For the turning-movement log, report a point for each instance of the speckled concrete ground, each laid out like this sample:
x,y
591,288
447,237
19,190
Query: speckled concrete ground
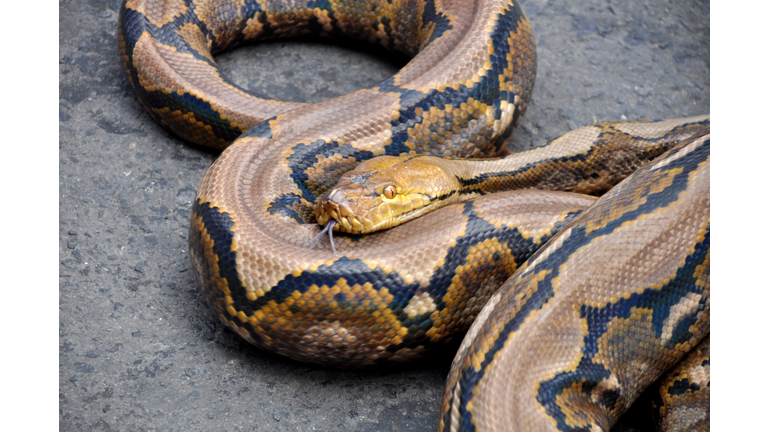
x,y
139,349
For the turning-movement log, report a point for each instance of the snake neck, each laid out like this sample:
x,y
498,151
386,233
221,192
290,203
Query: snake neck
x,y
589,160
387,191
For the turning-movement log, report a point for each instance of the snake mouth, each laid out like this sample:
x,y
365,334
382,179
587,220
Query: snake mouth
x,y
377,217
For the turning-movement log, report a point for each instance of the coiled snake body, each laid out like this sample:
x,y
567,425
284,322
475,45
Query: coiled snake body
x,y
623,288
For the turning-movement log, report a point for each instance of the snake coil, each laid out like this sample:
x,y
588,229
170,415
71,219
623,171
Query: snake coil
x,y
392,295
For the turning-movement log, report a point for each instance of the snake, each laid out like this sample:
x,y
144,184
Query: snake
x,y
511,266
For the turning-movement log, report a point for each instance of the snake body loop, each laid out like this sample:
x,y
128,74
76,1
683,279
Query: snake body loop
x,y
389,296
617,297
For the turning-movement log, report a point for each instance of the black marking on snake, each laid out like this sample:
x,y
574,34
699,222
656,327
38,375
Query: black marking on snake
x,y
552,264
702,127
357,272
407,96
507,23
650,152
187,103
322,4
685,281
442,22
307,155
470,378
691,161
486,90
507,178
607,398
465,425
312,28
250,8
354,271
261,130
218,226
516,178
683,386
387,24
284,206
135,24
169,35
132,24
417,330
659,301
477,231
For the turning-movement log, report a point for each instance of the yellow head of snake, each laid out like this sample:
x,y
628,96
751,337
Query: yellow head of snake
x,y
384,192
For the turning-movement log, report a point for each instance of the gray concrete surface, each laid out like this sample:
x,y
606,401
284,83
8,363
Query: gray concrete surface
x,y
139,349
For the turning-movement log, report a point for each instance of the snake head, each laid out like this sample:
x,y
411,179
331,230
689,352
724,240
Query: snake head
x,y
384,192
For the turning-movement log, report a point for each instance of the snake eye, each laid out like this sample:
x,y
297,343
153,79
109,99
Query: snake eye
x,y
389,192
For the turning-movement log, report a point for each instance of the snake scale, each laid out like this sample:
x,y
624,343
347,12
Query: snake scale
x,y
572,332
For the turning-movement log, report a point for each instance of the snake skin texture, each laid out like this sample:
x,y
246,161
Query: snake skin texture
x,y
614,299
390,296
682,401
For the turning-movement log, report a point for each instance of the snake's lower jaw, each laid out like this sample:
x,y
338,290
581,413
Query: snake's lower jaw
x,y
326,210
377,218
322,215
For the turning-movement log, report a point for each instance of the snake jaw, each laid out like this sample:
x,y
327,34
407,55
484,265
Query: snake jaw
x,y
334,205
360,209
